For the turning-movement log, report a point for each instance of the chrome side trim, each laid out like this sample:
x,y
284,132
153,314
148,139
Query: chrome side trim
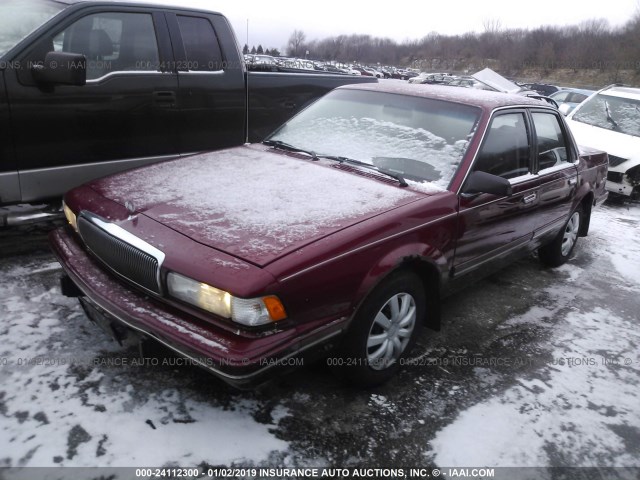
x,y
215,73
125,73
9,187
121,234
556,225
488,257
51,182
364,247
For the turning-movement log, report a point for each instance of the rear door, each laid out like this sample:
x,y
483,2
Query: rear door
x,y
491,227
124,116
555,163
212,95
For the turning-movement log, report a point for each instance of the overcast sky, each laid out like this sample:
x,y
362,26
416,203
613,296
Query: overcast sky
x,y
271,22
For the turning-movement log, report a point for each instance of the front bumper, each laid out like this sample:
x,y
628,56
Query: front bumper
x,y
620,188
239,359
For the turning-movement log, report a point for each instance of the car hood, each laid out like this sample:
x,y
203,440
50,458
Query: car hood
x,y
252,202
614,143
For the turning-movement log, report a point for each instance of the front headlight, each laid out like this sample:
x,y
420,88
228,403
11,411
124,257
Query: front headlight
x,y
250,312
70,216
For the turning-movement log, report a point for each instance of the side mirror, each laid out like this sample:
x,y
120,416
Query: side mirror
x,y
61,68
565,109
482,182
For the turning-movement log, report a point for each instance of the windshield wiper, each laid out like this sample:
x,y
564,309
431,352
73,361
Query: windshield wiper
x,y
286,146
398,177
608,112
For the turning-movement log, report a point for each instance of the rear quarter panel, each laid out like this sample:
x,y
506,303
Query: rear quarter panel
x,y
592,174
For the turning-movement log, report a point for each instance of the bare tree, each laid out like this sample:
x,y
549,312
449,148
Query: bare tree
x,y
296,43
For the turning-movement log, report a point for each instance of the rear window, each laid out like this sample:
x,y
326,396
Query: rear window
x,y
200,44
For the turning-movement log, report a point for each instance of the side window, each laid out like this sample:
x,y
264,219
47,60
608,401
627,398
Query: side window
x,y
505,151
552,145
200,44
111,41
561,97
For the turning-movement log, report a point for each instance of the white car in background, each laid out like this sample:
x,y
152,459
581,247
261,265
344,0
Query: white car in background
x,y
610,121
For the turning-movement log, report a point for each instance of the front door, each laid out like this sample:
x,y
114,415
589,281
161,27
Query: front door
x,y
124,116
492,227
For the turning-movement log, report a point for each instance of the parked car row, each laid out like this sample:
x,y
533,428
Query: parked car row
x,y
607,120
448,79
274,64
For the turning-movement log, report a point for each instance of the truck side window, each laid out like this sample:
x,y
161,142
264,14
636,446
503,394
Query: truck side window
x,y
505,151
200,43
111,41
552,145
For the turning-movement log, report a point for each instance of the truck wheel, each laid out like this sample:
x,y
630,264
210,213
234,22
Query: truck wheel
x,y
559,250
383,331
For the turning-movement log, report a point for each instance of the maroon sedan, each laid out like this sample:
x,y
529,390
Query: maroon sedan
x,y
335,237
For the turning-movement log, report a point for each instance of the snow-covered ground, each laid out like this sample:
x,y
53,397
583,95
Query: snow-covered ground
x,y
533,367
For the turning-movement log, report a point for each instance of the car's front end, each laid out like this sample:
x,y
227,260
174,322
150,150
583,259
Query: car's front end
x,y
610,121
623,178
198,265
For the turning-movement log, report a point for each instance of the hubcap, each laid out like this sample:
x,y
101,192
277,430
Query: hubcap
x,y
570,234
391,331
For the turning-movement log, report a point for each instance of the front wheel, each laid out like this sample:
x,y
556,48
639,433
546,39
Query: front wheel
x,y
383,331
559,250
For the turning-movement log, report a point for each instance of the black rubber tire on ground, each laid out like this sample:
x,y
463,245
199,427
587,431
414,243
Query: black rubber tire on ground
x,y
357,360
560,249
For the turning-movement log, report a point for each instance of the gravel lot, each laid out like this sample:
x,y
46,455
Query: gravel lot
x,y
533,367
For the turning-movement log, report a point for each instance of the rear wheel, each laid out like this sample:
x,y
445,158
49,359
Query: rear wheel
x,y
559,250
383,331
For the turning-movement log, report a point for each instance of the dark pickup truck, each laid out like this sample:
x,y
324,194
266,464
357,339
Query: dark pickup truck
x,y
100,87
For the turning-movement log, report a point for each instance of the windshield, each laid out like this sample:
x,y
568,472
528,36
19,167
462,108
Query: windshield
x,y
18,18
611,112
421,139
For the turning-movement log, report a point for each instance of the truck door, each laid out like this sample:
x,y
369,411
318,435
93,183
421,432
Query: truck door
x,y
212,95
492,227
123,117
9,183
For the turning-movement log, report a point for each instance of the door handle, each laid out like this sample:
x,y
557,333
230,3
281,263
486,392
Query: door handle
x,y
529,198
164,99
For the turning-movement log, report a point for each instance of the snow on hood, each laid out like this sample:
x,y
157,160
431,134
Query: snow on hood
x,y
251,203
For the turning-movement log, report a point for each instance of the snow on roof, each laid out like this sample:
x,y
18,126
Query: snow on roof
x,y
468,96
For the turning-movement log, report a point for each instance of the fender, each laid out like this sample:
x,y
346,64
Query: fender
x,y
424,259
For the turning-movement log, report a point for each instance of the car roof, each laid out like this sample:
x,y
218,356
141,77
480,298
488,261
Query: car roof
x,y
622,91
177,4
576,90
480,98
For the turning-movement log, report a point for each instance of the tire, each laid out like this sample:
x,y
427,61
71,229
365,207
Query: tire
x,y
560,249
383,331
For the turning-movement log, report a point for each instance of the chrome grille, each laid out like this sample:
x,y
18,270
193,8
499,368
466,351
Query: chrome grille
x,y
121,257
